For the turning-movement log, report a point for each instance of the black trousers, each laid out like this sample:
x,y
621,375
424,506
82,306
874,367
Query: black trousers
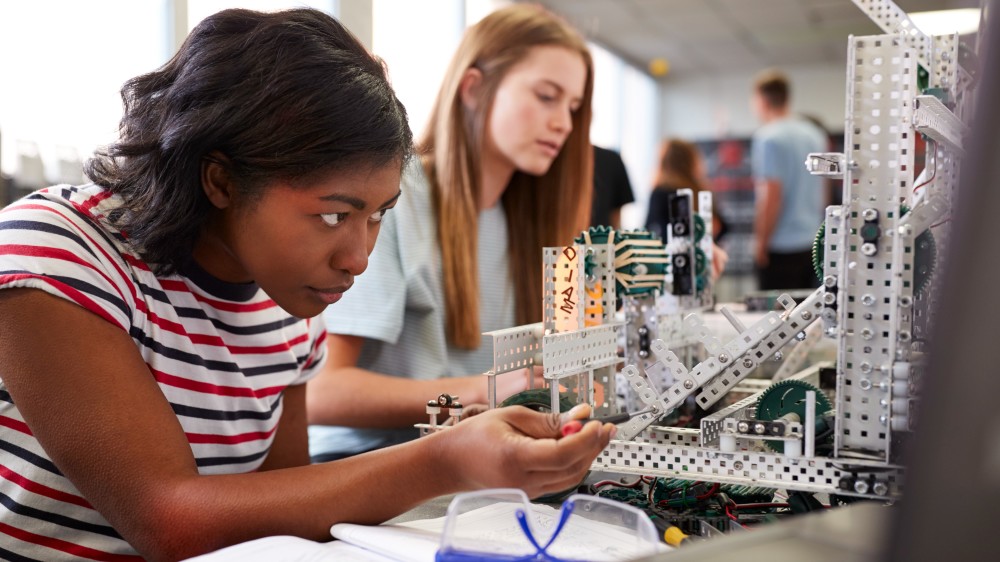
x,y
791,270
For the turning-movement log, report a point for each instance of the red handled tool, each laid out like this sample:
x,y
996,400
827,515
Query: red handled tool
x,y
573,426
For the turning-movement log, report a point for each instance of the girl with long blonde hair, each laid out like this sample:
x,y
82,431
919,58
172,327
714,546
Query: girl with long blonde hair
x,y
504,169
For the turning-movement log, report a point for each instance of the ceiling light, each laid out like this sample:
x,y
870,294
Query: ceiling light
x,y
944,22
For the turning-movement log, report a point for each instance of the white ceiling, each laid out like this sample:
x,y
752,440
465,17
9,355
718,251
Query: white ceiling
x,y
704,37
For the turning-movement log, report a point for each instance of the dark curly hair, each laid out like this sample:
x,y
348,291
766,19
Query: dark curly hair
x,y
286,96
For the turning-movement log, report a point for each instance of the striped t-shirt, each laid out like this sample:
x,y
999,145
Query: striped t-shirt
x,y
221,353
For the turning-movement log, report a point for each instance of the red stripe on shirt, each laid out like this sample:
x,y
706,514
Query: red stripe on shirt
x,y
42,489
94,200
16,425
315,352
217,389
207,438
67,547
181,287
73,294
217,341
51,253
93,242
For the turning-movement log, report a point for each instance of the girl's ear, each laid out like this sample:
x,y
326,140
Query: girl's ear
x,y
472,80
215,181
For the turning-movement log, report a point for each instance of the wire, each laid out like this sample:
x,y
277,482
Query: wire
x,y
931,144
759,506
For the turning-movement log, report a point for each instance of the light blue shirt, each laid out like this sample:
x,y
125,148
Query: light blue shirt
x,y
397,305
779,153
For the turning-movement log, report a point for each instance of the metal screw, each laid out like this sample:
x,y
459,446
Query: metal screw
x,y
865,384
869,214
904,335
643,353
880,488
723,358
906,230
806,315
759,428
830,281
748,363
743,427
738,465
778,356
861,486
643,330
801,336
829,298
884,420
867,333
868,249
689,384
905,301
865,367
867,299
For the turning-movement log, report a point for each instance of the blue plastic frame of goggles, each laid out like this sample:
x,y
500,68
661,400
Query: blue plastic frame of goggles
x,y
541,554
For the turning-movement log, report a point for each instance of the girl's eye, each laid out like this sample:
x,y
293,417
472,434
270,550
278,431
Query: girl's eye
x,y
333,219
546,98
378,215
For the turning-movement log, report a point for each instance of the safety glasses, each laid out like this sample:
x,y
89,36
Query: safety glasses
x,y
502,524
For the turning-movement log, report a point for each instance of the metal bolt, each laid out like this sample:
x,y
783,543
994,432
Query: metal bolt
x,y
806,315
905,301
880,488
738,465
867,299
865,384
643,353
743,427
884,420
723,358
868,249
867,333
830,281
801,336
778,356
861,486
904,335
643,330
829,298
867,316
865,367
759,428
883,402
689,384
680,261
747,363
869,214
906,230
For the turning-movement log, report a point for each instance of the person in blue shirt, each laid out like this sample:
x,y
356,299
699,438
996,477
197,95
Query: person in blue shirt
x,y
789,200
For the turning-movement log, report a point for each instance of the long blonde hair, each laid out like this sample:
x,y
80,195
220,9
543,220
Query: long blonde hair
x,y
547,210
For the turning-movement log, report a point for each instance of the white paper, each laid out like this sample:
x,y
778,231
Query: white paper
x,y
290,549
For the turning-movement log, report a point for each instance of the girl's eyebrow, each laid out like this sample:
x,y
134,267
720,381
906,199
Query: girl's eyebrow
x,y
352,201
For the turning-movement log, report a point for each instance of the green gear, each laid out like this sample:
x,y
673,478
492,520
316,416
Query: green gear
x,y
819,249
924,255
604,235
700,270
699,228
787,397
539,400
